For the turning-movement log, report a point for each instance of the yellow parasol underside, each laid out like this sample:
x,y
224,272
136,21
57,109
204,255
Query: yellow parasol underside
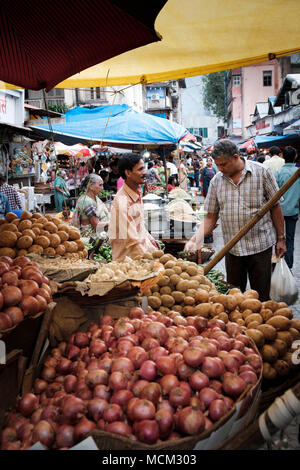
x,y
200,37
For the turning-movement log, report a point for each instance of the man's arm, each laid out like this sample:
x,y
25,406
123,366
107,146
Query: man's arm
x,y
204,229
278,222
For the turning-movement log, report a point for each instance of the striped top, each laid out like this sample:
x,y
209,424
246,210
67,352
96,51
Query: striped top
x,y
236,204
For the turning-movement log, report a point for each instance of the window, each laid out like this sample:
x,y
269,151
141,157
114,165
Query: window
x,y
203,132
236,79
267,78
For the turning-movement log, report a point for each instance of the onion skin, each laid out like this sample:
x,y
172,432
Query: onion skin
x,y
15,313
143,409
28,403
191,421
82,428
165,421
217,409
167,382
147,431
12,295
44,433
119,427
65,436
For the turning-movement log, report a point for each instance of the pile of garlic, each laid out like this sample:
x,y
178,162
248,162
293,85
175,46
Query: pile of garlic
x,y
127,269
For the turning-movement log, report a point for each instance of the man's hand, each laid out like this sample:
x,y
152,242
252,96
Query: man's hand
x,y
156,243
190,245
280,248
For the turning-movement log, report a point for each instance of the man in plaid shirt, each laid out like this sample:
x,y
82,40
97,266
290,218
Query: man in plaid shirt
x,y
236,193
11,193
4,206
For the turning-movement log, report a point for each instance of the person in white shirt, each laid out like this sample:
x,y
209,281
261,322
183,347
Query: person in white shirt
x,y
172,167
276,161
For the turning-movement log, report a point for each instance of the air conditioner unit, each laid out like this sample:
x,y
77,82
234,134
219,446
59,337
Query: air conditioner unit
x,y
155,97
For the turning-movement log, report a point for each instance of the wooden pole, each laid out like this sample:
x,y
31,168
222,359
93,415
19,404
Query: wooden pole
x,y
251,222
166,174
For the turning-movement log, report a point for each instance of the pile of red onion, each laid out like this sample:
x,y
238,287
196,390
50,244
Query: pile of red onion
x,y
24,290
148,377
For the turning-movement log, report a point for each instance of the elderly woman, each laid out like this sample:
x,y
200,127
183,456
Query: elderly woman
x,y
61,192
91,215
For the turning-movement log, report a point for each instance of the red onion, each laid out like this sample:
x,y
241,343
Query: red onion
x,y
10,278
143,409
122,328
216,385
155,330
231,363
15,314
191,421
165,421
213,367
70,383
101,391
168,382
73,409
151,392
83,428
166,365
179,396
157,352
207,395
106,320
96,377
217,409
183,370
65,436
200,324
96,407
64,366
12,295
193,356
28,404
36,416
117,381
165,404
249,377
136,312
25,431
147,431
50,413
149,343
97,347
233,385
119,427
72,352
238,355
44,433
137,356
148,370
255,361
112,412
198,380
233,329
122,364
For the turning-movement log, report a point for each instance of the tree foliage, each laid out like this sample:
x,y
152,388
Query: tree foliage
x,y
58,108
214,93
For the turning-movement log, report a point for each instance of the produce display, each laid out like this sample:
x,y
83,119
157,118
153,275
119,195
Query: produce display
x,y
121,271
147,377
178,193
34,233
24,290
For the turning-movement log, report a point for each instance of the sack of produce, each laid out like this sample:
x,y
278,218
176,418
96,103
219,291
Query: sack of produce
x,y
283,285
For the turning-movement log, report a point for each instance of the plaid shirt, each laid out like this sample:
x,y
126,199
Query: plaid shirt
x,y
12,195
237,204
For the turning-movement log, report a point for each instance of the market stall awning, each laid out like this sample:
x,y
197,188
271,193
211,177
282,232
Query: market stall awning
x,y
248,145
125,128
76,151
268,141
198,37
293,128
45,42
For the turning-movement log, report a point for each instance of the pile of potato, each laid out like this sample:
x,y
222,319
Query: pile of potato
x,y
34,233
181,288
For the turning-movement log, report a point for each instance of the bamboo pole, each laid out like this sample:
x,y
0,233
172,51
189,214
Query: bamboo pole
x,y
251,222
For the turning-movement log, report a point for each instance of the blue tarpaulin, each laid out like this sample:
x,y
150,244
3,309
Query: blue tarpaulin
x,y
113,124
266,141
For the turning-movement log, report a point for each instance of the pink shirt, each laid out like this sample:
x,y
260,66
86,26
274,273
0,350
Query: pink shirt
x,y
127,232
120,183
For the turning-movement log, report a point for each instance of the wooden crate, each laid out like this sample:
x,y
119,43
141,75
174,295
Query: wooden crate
x,y
10,382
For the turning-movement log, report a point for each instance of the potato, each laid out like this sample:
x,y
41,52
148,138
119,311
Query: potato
x,y
51,227
270,304
295,324
49,251
169,272
251,304
289,358
281,347
64,236
36,249
74,234
251,294
279,322
8,238
216,308
36,215
154,302
222,316
25,215
189,300
257,337
42,241
268,331
165,258
246,313
174,279
157,254
177,308
184,276
165,290
266,313
234,290
22,252
170,264
155,288
24,242
5,251
252,324
24,224
201,296
8,227
182,285
177,269
163,281
191,293
56,221
35,230
178,296
220,299
193,284
281,305
192,270
254,317
268,352
268,372
188,310
203,310
285,336
10,216
163,310
156,294
295,334
282,367
60,250
239,298
206,288
29,232
167,300
231,302
54,240
240,322
286,312
235,315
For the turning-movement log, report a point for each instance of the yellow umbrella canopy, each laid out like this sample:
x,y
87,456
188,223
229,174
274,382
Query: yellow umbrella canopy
x,y
199,37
